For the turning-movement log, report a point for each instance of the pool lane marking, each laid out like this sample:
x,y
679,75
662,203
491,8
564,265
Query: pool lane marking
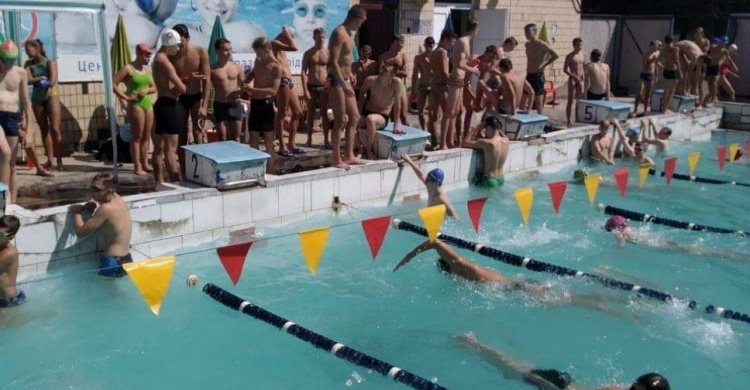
x,y
696,179
636,216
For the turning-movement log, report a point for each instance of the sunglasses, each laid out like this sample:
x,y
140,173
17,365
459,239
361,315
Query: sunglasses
x,y
320,11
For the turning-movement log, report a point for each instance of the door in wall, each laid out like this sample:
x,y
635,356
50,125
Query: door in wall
x,y
493,28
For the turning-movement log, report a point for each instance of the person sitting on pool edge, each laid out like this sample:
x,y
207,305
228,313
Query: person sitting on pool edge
x,y
9,295
433,180
113,215
548,379
494,147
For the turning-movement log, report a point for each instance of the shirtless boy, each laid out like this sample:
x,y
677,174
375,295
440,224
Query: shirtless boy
x,y
539,55
194,68
168,126
364,68
439,74
632,145
395,56
694,64
601,145
574,69
341,94
659,139
472,99
459,67
494,148
421,78
266,81
287,98
383,97
10,295
433,180
513,86
717,55
597,78
314,72
227,79
672,71
646,82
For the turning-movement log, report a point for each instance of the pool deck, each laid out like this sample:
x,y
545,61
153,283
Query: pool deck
x,y
185,215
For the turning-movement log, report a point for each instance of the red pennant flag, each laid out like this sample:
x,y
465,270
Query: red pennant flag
x,y
621,175
375,230
721,152
669,165
476,206
232,257
557,192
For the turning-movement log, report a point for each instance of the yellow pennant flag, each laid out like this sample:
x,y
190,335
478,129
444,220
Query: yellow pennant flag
x,y
693,161
152,278
313,243
543,35
592,186
525,198
733,152
432,218
643,174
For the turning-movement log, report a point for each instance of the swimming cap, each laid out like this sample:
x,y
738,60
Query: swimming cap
x,y
8,50
580,174
652,381
724,39
436,176
739,154
733,47
632,132
616,222
170,38
143,48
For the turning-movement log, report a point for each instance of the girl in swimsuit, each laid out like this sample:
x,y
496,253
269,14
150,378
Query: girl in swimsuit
x,y
724,69
140,86
45,103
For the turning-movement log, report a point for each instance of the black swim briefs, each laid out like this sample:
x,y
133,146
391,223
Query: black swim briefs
x,y
261,116
595,96
671,74
189,101
222,112
647,77
166,120
537,82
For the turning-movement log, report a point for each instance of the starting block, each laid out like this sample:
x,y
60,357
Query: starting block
x,y
391,146
224,165
679,103
524,126
595,111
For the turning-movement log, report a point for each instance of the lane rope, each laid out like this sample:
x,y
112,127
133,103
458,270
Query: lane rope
x,y
696,179
319,341
539,266
640,217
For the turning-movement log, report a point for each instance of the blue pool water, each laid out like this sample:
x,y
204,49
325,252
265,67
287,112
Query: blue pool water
x,y
81,331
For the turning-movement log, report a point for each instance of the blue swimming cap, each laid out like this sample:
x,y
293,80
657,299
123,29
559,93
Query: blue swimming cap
x,y
724,39
716,40
632,132
436,176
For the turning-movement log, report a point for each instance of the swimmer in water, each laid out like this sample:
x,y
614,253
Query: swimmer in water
x,y
10,295
618,225
547,379
433,180
659,139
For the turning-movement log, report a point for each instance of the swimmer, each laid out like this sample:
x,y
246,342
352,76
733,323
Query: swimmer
x,y
673,72
433,180
601,145
539,56
113,216
574,69
395,56
660,140
383,94
646,82
192,65
9,295
421,79
597,78
547,379
618,226
440,74
227,79
632,144
314,74
494,147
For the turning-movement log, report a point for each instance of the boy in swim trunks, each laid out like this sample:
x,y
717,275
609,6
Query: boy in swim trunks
x,y
266,80
287,98
433,180
421,78
597,78
494,148
113,217
314,74
601,145
574,69
439,75
9,295
539,55
380,96
718,55
226,78
673,71
660,139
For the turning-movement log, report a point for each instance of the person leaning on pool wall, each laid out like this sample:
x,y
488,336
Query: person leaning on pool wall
x,y
9,295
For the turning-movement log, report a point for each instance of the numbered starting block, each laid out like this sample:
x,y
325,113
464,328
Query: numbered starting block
x,y
391,146
225,165
524,126
595,111
679,103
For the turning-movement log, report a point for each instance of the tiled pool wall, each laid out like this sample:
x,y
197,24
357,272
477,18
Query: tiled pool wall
x,y
189,215
736,116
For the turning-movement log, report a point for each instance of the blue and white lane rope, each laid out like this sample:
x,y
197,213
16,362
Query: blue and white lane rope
x,y
636,216
539,266
696,179
319,341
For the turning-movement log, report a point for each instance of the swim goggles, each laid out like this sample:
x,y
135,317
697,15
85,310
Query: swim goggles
x,y
320,11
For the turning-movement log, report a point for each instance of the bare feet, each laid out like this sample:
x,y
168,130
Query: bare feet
x,y
341,165
308,143
148,168
43,172
354,161
327,145
140,173
61,168
47,165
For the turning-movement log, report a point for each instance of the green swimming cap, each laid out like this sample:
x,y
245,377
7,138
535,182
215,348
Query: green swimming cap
x,y
580,174
8,50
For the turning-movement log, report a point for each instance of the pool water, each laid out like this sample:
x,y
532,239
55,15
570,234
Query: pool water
x,y
82,331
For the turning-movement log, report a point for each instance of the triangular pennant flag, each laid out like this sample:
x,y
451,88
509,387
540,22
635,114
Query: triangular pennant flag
x,y
693,161
643,174
432,218
721,153
669,166
152,278
621,176
313,243
525,198
733,152
592,186
475,211
557,192
543,34
375,230
232,257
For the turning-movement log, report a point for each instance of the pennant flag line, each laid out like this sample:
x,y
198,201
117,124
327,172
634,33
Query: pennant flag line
x,y
621,175
643,174
476,206
693,161
375,230
151,277
592,186
733,152
432,218
557,192
669,166
721,154
232,257
313,243
525,198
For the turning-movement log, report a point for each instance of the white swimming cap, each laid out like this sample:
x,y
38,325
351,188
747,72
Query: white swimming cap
x,y
170,38
733,47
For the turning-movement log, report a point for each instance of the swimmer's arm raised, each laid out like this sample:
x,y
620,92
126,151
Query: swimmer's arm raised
x,y
284,41
623,139
427,245
416,169
83,228
468,141
448,206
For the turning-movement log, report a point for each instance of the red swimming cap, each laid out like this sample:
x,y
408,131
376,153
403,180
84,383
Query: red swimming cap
x,y
616,222
8,50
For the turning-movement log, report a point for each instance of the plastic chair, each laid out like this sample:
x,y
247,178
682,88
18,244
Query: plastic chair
x,y
550,89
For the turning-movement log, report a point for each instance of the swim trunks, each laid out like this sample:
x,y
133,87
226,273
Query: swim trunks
x,y
9,123
439,88
455,82
223,112
595,96
333,82
537,82
493,84
366,112
286,82
13,301
671,74
560,379
261,115
316,90
166,120
647,77
111,266
490,182
712,70
424,89
189,101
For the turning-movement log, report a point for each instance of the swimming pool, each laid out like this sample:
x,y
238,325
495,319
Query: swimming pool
x,y
81,331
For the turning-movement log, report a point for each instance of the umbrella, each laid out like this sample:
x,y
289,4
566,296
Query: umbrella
x,y
216,33
543,35
449,22
120,55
